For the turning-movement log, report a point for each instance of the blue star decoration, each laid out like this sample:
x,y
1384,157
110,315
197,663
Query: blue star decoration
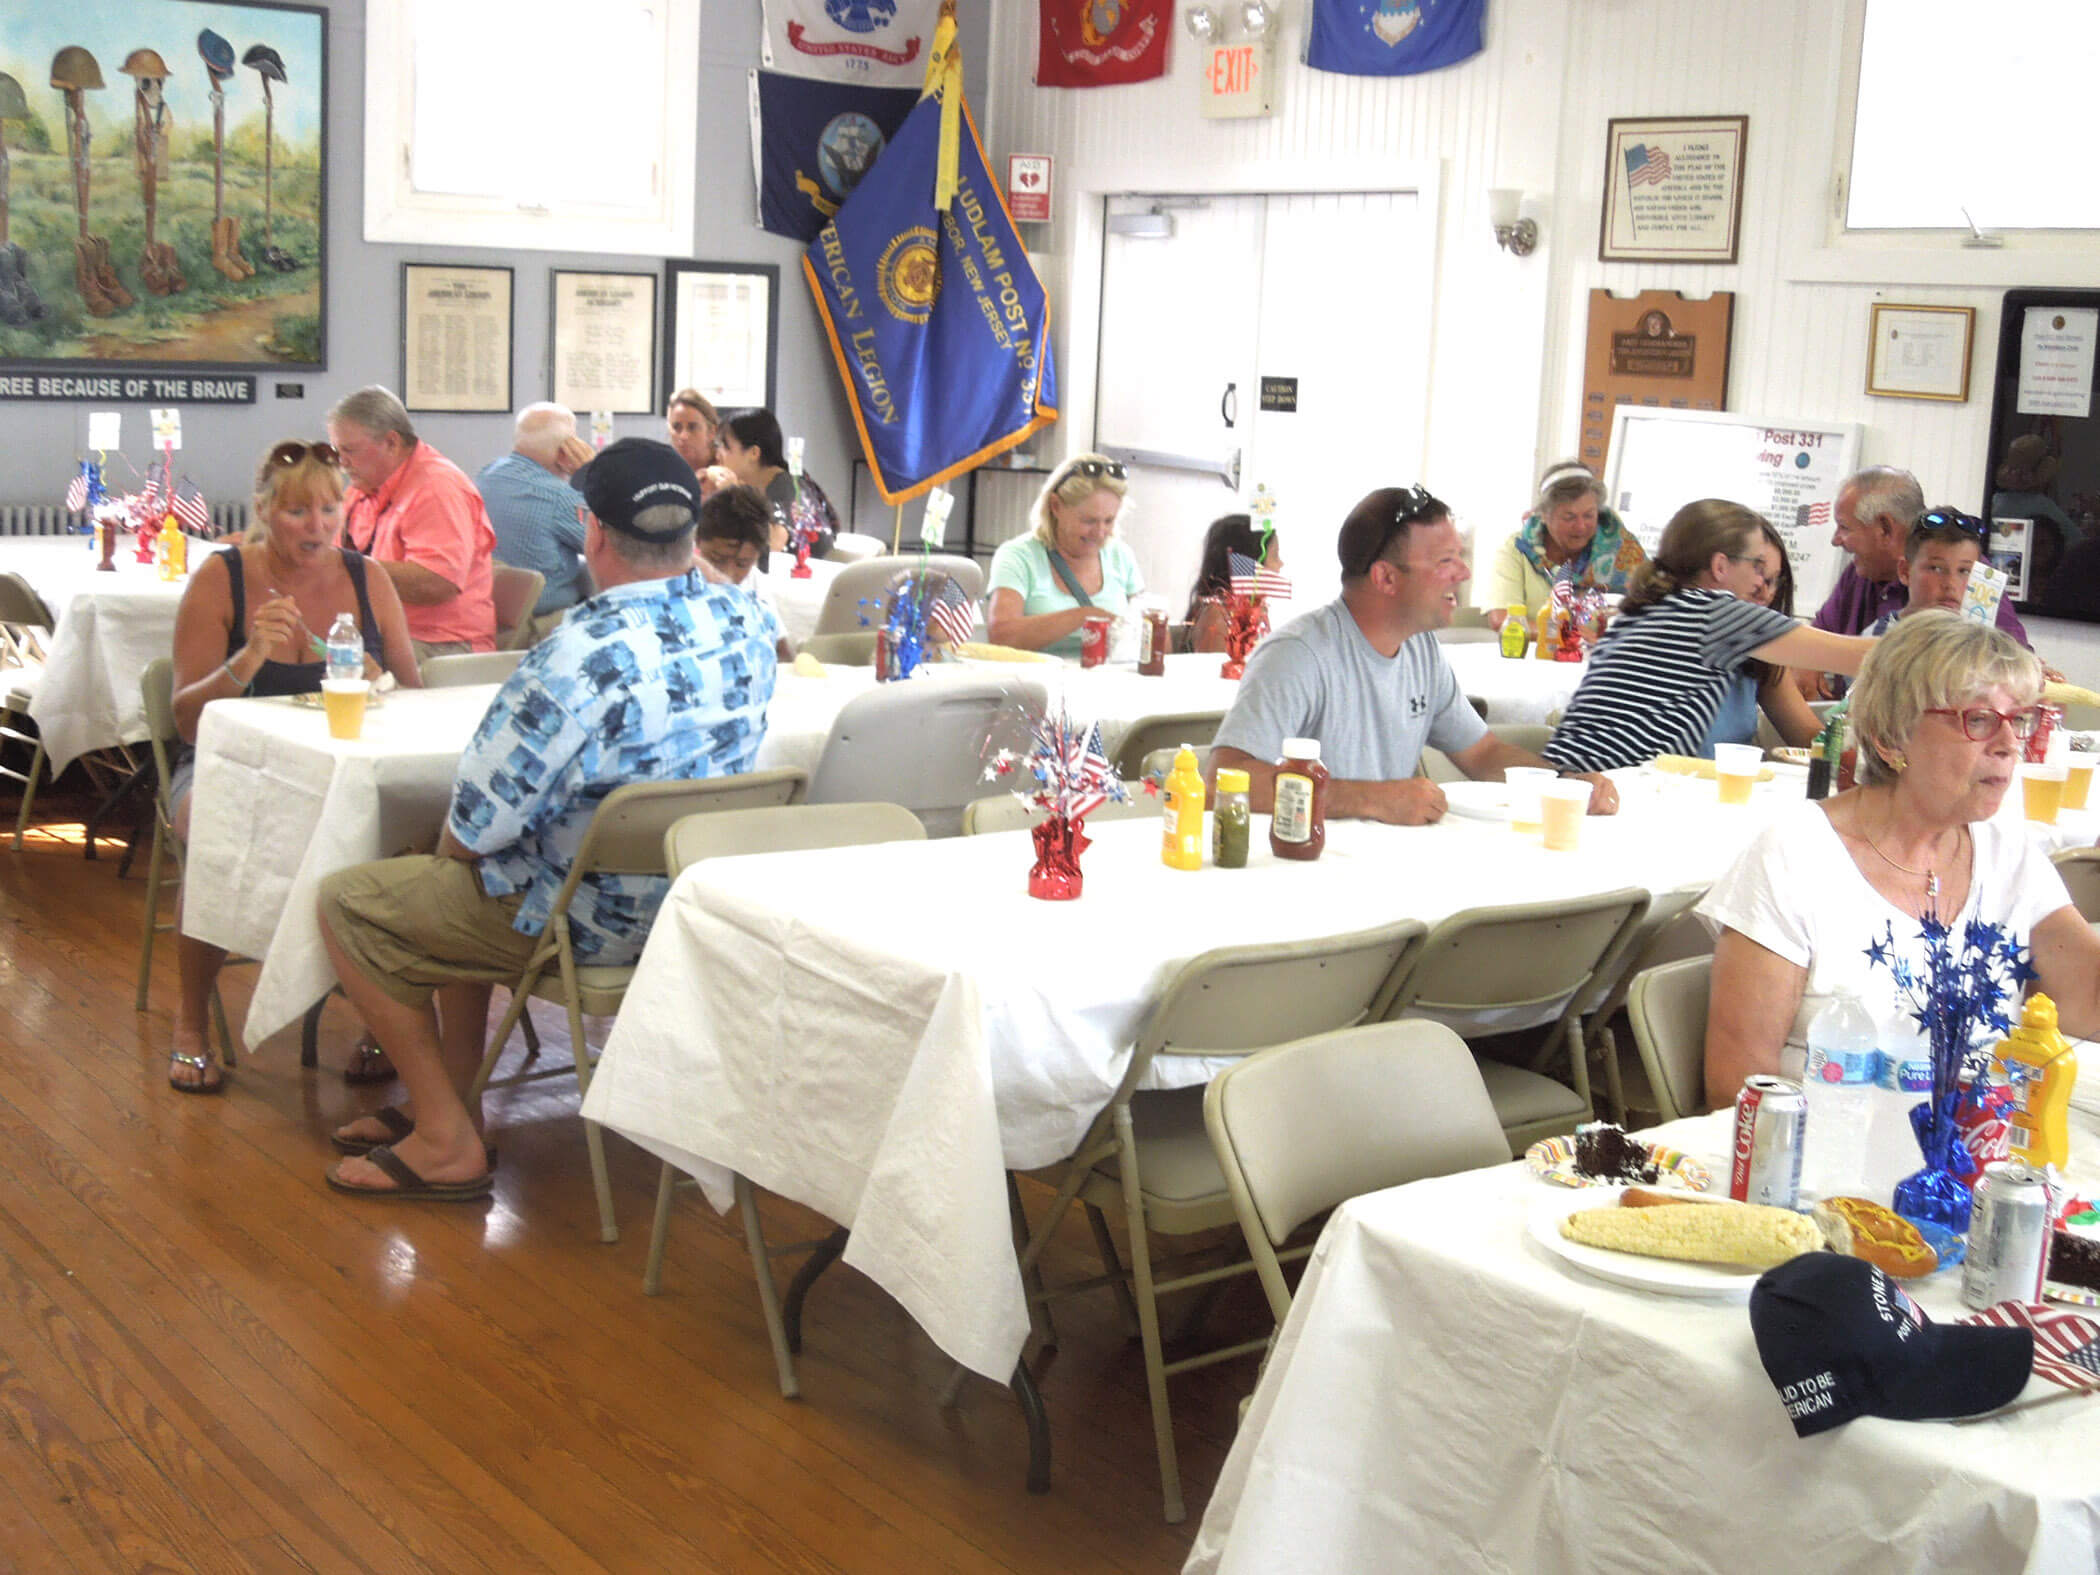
x,y
1960,995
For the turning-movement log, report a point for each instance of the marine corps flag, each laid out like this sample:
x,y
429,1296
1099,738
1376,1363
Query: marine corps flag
x,y
812,142
939,324
1392,38
1102,43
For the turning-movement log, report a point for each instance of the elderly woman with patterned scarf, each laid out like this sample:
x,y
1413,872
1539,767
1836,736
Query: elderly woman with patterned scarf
x,y
1568,535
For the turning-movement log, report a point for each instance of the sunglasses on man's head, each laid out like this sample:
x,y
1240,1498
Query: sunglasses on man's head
x,y
1415,505
291,451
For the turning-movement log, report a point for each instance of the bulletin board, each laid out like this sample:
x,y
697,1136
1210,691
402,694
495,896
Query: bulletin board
x,y
1788,471
2042,470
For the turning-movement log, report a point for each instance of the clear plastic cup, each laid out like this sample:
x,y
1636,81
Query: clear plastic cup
x,y
1524,785
1562,804
2042,789
344,701
1736,768
2078,781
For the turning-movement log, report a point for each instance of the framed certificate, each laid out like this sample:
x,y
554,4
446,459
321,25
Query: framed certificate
x,y
456,329
1673,190
722,331
1919,352
603,341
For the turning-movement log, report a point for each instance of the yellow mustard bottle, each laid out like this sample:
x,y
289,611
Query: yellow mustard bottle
x,y
170,545
1181,846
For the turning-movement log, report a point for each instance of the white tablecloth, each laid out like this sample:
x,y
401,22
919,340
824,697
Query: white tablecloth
x,y
109,627
800,602
1516,690
1446,1396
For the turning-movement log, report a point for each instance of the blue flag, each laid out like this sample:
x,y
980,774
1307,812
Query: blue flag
x,y
813,141
1393,38
939,324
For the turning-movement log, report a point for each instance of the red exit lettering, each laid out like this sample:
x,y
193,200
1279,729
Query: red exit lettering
x,y
1231,70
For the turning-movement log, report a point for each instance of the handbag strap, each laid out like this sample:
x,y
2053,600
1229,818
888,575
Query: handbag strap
x,y
1067,578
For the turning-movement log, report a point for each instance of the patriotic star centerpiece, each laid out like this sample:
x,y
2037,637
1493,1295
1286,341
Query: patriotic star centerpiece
x,y
1248,589
922,607
1959,999
1071,777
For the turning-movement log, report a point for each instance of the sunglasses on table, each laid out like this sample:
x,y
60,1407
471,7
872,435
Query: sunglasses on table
x,y
291,451
1979,723
1415,505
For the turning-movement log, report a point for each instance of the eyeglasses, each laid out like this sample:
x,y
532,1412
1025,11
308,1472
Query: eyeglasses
x,y
1944,519
1756,561
1093,470
291,451
1979,723
1415,504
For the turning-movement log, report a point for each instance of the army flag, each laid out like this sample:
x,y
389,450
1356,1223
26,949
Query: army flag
x,y
1393,38
938,322
876,43
1102,43
811,143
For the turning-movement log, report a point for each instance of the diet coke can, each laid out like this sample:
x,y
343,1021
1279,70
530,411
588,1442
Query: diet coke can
x,y
2008,1236
1771,1115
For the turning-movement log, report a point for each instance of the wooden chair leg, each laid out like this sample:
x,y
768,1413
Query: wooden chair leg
x,y
1148,1321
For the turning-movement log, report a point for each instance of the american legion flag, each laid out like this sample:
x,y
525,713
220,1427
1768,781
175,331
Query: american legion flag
x,y
2066,1344
938,322
1646,166
1251,577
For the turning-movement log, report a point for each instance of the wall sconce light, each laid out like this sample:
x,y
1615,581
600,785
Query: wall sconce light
x,y
1204,24
1514,235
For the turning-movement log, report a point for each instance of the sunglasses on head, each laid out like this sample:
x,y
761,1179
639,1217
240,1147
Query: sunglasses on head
x,y
1944,519
1094,469
1415,504
291,451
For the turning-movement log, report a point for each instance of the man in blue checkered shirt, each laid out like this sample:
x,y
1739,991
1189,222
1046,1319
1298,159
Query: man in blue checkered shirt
x,y
662,676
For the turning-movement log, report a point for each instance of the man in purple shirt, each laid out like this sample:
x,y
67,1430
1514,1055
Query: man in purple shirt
x,y
1875,509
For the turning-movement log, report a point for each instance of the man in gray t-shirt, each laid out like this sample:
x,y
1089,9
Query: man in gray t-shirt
x,y
1367,678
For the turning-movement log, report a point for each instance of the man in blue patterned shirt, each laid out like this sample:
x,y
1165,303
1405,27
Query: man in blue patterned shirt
x,y
662,676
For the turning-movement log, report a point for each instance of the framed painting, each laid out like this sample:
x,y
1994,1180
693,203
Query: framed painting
x,y
722,331
163,185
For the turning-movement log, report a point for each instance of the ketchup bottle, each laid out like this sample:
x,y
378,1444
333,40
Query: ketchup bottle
x,y
1298,828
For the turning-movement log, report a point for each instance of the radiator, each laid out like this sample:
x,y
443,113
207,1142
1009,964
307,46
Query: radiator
x,y
49,519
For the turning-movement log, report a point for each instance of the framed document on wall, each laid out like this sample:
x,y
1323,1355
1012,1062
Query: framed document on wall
x,y
455,337
1673,189
722,331
1919,352
603,342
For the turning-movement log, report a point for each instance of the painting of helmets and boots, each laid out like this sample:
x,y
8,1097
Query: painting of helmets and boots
x,y
161,183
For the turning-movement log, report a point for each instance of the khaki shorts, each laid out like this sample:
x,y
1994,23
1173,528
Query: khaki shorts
x,y
414,923
426,649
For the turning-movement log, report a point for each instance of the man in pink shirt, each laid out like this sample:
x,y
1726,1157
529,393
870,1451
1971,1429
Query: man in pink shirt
x,y
415,513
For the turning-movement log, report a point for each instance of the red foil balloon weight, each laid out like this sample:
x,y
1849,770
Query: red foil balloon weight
x,y
801,569
1058,843
1247,620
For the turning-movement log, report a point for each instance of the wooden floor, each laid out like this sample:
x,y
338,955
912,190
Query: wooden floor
x,y
209,1361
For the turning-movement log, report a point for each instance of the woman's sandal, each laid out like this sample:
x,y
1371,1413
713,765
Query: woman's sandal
x,y
368,1063
196,1063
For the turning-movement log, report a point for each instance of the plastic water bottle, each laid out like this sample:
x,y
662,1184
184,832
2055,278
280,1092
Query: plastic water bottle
x,y
1843,1070
346,648
1905,1081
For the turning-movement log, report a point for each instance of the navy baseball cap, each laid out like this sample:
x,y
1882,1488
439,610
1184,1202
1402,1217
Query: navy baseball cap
x,y
634,476
1840,1339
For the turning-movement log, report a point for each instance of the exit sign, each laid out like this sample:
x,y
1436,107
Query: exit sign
x,y
1236,79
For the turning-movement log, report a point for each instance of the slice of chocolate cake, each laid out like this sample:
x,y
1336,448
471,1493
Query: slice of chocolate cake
x,y
2074,1260
1603,1152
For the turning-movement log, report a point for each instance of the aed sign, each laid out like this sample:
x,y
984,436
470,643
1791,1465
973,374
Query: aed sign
x,y
1236,79
1028,187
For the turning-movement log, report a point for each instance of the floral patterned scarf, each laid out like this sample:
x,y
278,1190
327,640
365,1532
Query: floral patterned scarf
x,y
1606,564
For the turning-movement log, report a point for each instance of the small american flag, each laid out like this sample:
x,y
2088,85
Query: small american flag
x,y
191,509
1090,777
76,493
1250,577
1646,166
953,613
2066,1345
1810,515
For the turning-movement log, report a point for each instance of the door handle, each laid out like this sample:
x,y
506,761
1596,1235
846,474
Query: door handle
x,y
1229,405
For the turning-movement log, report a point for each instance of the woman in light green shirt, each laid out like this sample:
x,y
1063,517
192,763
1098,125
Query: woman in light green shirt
x,y
1568,535
1045,584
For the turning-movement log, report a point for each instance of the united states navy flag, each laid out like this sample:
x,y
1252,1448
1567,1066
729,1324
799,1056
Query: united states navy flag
x,y
813,142
1392,38
939,324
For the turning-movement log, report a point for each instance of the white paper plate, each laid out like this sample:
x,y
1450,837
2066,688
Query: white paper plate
x,y
1477,800
1663,1276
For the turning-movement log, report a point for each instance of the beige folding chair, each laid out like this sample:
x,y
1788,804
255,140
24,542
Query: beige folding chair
x,y
1168,730
2080,868
1148,1153
1301,1127
1499,969
626,837
854,648
1439,767
1007,813
779,830
919,744
515,592
1667,1006
469,667
870,578
25,627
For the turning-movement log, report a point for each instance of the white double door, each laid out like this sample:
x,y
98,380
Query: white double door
x,y
1326,297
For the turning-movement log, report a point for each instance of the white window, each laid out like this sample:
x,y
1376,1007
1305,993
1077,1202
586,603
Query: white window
x,y
532,124
1984,108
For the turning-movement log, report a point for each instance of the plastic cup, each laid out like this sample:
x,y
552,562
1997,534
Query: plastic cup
x,y
344,701
2042,789
1562,804
1093,640
1524,785
2078,781
1736,768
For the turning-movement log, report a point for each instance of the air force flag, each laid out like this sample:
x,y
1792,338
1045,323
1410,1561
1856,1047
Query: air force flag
x,y
1392,38
939,324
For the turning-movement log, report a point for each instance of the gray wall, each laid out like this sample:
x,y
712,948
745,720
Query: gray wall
x,y
39,442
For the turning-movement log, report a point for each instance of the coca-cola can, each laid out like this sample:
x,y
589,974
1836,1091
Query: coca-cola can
x,y
2052,717
2008,1236
1093,639
1771,1118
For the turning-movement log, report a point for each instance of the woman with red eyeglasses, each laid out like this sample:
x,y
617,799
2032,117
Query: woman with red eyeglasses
x,y
253,622
1942,710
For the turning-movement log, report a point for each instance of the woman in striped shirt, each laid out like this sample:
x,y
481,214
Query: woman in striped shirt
x,y
1688,629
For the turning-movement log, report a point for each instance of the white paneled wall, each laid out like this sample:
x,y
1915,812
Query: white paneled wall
x,y
1505,364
